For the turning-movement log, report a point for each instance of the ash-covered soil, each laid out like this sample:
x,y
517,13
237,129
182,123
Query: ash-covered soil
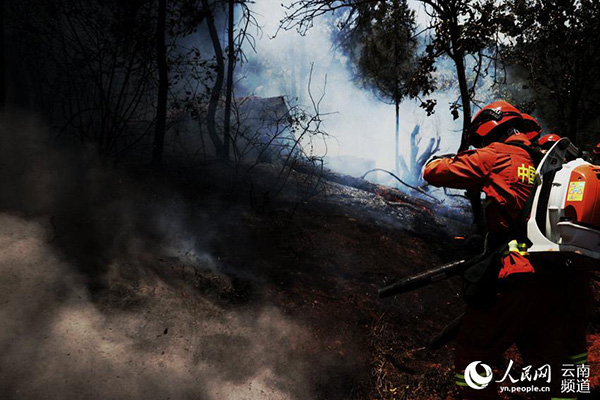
x,y
212,283
188,284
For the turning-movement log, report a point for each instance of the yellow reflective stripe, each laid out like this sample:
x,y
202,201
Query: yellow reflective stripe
x,y
516,247
460,380
579,359
564,398
578,356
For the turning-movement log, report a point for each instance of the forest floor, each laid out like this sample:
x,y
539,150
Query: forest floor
x,y
222,287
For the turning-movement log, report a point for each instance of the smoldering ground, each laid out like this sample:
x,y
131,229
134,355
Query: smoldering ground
x,y
94,300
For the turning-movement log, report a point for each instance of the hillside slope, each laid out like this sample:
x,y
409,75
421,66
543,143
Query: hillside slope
x,y
201,283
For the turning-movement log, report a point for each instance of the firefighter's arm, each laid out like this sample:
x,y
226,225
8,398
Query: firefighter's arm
x,y
466,170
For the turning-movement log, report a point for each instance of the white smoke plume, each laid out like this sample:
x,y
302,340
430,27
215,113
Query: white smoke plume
x,y
360,125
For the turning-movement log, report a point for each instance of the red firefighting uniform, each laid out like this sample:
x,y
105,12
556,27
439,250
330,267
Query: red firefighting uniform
x,y
532,309
505,173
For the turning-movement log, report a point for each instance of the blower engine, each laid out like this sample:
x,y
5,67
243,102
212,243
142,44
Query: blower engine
x,y
565,213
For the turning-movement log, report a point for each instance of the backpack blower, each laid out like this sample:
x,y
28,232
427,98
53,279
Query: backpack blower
x,y
564,223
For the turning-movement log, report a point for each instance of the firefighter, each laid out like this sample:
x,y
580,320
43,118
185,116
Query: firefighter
x,y
511,302
531,128
546,142
596,154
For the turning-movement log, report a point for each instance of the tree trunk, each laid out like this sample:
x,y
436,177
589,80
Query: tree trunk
x,y
163,85
414,151
227,137
397,141
215,94
458,57
302,72
294,78
465,98
397,97
2,61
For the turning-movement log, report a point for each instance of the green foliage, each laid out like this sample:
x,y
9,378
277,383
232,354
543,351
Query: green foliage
x,y
459,29
381,46
556,50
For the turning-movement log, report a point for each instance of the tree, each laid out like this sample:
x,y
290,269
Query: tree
x,y
215,93
462,30
2,63
556,50
89,67
458,29
230,67
92,69
163,84
382,46
235,40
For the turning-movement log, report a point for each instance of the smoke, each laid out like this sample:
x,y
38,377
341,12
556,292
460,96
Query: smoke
x,y
100,291
360,125
57,344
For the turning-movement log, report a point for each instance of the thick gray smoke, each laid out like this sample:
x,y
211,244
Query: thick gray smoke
x,y
57,344
86,307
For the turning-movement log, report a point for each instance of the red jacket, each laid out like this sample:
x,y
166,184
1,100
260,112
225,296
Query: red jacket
x,y
505,173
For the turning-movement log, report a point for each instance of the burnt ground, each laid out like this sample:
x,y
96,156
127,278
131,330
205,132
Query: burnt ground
x,y
196,283
318,251
321,256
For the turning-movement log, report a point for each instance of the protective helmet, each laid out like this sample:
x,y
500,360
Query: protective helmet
x,y
547,141
488,124
531,127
